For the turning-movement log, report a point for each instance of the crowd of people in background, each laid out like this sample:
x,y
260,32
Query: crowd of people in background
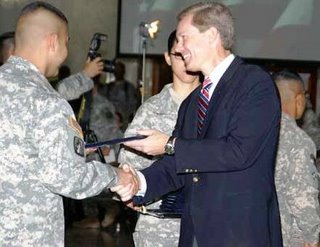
x,y
224,162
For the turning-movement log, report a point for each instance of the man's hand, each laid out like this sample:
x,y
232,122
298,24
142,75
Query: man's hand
x,y
90,150
128,184
93,67
311,245
152,145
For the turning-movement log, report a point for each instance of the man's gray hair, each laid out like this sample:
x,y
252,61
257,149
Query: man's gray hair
x,y
206,15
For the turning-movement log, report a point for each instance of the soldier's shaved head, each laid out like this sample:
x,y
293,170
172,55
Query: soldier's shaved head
x,y
289,83
291,90
37,20
39,28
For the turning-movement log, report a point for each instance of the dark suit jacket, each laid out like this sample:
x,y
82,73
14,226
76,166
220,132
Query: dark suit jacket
x,y
227,173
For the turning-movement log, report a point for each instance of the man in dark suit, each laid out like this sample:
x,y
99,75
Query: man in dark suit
x,y
223,155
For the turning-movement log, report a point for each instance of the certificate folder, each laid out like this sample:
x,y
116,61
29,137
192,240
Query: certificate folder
x,y
113,141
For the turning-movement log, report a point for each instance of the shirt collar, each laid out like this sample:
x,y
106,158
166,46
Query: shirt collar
x,y
219,70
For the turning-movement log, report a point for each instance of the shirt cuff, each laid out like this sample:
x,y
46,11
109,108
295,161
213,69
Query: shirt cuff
x,y
143,184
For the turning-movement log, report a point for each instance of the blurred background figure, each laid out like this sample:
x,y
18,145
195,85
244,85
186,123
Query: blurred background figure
x,y
122,94
296,177
104,121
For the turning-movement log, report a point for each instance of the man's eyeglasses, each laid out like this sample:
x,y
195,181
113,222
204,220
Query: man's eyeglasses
x,y
177,55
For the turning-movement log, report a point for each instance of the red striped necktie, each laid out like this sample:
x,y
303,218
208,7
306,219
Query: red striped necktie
x,y
203,103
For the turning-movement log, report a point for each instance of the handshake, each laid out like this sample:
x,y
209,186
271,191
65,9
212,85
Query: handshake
x,y
128,183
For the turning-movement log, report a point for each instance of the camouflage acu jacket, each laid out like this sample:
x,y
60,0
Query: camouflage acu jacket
x,y
41,157
74,86
296,181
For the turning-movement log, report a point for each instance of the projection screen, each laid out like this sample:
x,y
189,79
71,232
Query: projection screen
x,y
266,29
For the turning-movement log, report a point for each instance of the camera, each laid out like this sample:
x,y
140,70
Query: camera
x,y
95,43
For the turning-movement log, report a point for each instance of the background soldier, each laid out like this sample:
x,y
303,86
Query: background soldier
x,y
296,176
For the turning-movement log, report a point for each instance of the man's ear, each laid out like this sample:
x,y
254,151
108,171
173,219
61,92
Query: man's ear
x,y
52,41
213,34
300,105
167,58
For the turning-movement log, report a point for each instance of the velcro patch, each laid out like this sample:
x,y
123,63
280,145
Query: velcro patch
x,y
78,145
75,126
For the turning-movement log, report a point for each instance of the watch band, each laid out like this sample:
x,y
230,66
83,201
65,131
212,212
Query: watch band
x,y
169,147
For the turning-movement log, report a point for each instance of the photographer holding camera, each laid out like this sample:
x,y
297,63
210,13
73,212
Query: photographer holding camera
x,y
77,84
120,92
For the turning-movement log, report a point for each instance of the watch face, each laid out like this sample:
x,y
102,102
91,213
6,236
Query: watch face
x,y
169,148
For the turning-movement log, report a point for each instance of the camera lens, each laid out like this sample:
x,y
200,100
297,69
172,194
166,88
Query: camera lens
x,y
108,66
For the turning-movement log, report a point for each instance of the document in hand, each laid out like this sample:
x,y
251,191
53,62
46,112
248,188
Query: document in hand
x,y
113,141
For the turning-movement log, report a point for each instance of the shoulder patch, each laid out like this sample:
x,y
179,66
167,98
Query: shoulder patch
x,y
78,145
75,126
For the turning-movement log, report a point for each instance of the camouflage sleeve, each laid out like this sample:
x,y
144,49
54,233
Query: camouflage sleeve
x,y
141,121
74,86
303,196
61,167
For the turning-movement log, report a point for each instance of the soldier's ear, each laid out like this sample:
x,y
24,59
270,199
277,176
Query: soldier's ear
x,y
167,58
300,104
52,41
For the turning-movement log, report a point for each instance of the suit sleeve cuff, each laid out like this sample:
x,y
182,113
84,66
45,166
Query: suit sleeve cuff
x,y
143,184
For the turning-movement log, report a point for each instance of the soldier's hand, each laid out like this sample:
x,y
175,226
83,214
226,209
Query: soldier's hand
x,y
93,67
152,145
128,184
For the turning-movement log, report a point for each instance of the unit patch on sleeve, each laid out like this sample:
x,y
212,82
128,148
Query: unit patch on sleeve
x,y
78,145
75,126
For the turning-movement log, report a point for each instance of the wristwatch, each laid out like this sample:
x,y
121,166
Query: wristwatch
x,y
169,147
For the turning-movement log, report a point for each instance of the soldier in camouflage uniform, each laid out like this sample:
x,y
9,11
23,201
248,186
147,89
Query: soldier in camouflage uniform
x,y
159,112
41,145
296,177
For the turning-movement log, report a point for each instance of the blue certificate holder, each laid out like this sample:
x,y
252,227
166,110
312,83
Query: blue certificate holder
x,y
113,141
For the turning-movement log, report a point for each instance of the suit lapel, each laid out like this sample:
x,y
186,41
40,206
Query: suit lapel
x,y
194,111
219,92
